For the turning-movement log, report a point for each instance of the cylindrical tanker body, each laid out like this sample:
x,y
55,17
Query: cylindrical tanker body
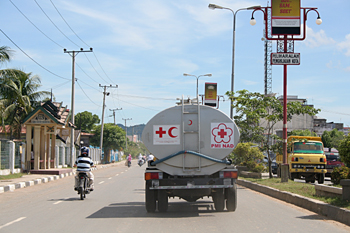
x,y
181,128
190,144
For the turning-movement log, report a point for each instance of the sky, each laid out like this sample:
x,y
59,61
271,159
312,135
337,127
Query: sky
x,y
145,47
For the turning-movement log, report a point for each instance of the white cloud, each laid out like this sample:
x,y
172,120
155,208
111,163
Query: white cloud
x,y
316,39
345,45
250,83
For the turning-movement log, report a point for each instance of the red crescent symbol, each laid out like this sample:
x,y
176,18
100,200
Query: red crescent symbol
x,y
190,123
170,132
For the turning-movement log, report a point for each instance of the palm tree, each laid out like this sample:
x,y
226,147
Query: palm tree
x,y
5,53
18,96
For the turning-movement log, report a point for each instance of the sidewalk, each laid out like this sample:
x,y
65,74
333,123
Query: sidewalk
x,y
34,179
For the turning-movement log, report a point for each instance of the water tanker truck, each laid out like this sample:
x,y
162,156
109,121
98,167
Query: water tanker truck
x,y
191,144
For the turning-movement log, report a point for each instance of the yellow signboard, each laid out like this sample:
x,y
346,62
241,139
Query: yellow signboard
x,y
210,94
285,15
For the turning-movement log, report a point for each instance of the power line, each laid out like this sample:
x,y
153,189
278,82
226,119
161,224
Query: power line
x,y
55,24
87,95
35,25
30,57
68,24
81,41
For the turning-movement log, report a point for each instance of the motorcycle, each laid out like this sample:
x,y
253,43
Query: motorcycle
x,y
83,188
129,163
141,162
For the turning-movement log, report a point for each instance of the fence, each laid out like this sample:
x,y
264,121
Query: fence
x,y
12,156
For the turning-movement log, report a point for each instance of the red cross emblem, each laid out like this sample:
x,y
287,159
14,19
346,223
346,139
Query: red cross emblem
x,y
222,134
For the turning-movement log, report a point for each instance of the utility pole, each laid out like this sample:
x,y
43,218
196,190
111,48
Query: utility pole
x,y
126,138
116,109
73,54
103,112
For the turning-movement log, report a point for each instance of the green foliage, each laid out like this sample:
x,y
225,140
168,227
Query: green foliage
x,y
300,132
135,149
18,96
331,139
344,150
245,154
340,173
85,121
113,138
256,115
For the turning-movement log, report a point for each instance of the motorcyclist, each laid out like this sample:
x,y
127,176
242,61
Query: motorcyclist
x,y
84,164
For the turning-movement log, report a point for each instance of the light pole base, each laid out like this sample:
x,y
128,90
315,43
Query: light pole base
x,y
284,172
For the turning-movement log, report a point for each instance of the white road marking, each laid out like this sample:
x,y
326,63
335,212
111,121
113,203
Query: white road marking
x,y
110,178
121,172
57,202
101,182
117,175
8,224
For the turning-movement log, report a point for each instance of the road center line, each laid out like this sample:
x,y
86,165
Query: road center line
x,y
117,175
57,202
110,178
101,182
8,224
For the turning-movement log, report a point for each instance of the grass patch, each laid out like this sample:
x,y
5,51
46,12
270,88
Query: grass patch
x,y
12,176
302,189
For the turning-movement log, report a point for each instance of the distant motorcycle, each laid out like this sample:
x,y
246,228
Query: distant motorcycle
x,y
141,162
83,188
129,163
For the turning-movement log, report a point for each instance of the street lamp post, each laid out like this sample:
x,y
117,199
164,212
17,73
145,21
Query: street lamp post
x,y
213,7
197,77
285,38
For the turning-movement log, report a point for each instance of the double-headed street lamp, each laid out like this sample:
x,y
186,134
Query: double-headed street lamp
x,y
213,7
197,77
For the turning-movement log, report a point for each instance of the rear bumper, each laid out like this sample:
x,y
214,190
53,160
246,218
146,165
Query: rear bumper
x,y
308,170
192,183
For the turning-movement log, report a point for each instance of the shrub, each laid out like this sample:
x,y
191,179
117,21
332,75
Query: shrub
x,y
340,173
245,154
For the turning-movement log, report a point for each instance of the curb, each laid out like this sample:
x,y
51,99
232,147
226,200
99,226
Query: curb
x,y
19,185
319,207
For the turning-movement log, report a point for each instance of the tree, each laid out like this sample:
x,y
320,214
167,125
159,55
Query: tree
x,y
300,132
247,154
344,150
256,115
331,139
85,121
5,54
18,96
113,139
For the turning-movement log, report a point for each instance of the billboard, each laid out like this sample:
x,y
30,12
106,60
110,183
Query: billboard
x,y
285,17
210,94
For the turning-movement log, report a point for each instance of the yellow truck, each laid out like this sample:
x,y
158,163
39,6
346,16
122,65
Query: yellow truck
x,y
306,159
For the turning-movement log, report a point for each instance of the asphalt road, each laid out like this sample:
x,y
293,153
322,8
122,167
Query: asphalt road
x,y
117,205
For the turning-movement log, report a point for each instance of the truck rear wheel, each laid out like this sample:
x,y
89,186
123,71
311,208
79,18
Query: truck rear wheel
x,y
321,178
219,200
150,200
162,201
231,198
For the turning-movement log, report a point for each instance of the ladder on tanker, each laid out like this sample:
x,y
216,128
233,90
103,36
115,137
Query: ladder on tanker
x,y
190,119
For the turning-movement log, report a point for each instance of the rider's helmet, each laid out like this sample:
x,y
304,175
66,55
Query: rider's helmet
x,y
84,151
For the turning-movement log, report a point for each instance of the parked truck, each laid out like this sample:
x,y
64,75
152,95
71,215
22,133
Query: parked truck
x,y
191,144
306,159
333,160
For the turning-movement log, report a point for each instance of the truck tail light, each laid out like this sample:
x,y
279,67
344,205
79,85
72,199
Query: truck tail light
x,y
153,175
230,174
323,160
295,159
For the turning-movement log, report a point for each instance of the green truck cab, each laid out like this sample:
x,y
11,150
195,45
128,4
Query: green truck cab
x,y
306,159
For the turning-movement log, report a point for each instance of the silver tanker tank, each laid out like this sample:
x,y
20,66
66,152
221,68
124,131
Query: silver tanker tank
x,y
190,139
